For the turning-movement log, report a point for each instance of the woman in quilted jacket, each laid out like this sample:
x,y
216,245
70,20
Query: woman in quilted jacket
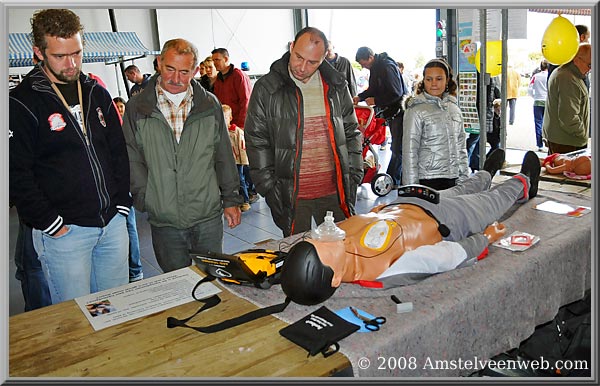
x,y
434,144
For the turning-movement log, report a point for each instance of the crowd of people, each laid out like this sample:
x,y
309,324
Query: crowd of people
x,y
196,144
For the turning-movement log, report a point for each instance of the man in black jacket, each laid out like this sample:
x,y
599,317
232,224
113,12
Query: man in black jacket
x,y
302,137
139,80
385,91
69,171
344,66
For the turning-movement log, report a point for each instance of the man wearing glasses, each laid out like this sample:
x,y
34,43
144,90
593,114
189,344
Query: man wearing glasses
x,y
567,114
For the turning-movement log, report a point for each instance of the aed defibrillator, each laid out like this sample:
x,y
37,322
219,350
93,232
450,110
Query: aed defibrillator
x,y
258,267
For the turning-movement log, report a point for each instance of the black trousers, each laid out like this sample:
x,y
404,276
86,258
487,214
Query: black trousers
x,y
397,130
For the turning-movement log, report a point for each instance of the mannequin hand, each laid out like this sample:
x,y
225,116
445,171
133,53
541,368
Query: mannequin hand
x,y
494,232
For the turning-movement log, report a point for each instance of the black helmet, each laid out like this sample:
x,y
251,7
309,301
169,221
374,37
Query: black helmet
x,y
304,278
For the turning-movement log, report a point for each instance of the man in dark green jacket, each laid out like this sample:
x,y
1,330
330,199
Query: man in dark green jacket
x,y
567,114
182,168
302,137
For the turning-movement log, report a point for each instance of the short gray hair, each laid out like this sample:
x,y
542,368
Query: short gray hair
x,y
182,47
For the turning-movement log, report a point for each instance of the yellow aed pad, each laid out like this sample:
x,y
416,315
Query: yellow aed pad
x,y
377,235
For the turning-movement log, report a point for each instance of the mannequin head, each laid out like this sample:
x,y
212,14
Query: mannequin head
x,y
582,165
304,278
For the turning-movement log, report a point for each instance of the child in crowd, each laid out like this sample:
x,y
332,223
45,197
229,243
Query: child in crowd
x,y
434,150
238,146
135,258
120,103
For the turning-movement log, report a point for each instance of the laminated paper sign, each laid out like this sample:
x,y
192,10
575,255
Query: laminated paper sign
x,y
145,297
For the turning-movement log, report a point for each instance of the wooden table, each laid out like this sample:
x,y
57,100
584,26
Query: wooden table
x,y
58,341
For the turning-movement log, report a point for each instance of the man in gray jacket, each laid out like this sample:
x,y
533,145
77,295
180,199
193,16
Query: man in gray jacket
x,y
182,168
302,137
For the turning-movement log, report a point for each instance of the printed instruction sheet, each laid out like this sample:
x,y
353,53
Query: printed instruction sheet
x,y
121,304
564,209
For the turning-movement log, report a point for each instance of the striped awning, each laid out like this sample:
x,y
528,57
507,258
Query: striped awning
x,y
565,11
98,47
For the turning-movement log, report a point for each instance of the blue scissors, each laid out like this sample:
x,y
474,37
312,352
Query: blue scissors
x,y
370,324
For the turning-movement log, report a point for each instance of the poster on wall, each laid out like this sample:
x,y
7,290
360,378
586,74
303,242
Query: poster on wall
x,y
467,47
467,100
467,79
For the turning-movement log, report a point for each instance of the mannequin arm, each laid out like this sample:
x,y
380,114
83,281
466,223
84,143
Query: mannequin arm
x,y
556,169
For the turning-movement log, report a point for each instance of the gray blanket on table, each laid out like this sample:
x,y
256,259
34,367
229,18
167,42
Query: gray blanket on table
x,y
467,315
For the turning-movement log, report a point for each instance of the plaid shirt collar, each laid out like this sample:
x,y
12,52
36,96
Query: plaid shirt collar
x,y
175,115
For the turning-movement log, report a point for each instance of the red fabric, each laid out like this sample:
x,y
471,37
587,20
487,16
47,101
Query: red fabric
x,y
368,283
577,176
483,254
548,160
375,131
234,90
97,79
525,187
369,174
317,170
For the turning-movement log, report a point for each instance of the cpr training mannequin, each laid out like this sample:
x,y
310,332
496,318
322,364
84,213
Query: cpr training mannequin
x,y
412,238
559,163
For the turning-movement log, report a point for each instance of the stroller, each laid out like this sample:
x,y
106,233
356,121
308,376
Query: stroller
x,y
373,130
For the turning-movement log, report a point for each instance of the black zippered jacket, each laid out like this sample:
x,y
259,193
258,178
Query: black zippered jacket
x,y
274,128
385,82
56,177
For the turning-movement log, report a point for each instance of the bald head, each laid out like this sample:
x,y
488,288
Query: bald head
x,y
583,59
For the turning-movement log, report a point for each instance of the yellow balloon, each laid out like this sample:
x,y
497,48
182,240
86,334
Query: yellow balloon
x,y
560,41
493,56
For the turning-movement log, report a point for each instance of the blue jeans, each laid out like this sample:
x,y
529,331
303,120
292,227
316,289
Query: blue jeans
x,y
473,151
29,271
249,183
85,259
243,185
135,259
172,245
538,118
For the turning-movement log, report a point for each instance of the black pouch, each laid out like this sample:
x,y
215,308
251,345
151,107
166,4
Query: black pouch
x,y
319,332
